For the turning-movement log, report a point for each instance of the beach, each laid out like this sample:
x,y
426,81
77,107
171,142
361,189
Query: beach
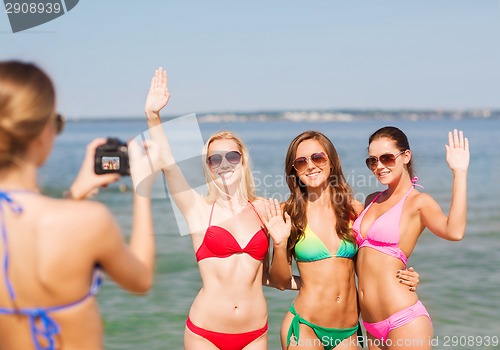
x,y
459,281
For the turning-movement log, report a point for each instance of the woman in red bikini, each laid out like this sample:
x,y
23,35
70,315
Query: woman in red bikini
x,y
229,239
387,232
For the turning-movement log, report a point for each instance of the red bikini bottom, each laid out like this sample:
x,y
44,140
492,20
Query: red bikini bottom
x,y
225,341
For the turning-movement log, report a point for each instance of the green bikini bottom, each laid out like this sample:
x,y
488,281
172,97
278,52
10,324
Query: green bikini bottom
x,y
329,337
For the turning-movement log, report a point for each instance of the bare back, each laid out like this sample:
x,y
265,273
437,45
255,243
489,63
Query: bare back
x,y
53,247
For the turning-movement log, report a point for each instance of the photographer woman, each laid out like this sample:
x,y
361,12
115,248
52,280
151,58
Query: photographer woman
x,y
52,249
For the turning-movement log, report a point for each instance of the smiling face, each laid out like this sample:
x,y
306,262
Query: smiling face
x,y
392,171
228,173
315,174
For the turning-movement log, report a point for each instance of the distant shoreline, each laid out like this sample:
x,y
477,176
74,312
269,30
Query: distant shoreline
x,y
344,115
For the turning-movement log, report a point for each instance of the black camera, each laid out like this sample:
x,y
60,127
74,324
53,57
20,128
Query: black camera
x,y
112,157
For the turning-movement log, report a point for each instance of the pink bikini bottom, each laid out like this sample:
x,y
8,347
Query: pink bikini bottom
x,y
381,329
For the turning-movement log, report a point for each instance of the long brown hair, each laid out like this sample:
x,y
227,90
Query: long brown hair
x,y
27,103
340,191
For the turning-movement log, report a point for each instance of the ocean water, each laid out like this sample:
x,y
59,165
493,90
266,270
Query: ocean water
x,y
459,280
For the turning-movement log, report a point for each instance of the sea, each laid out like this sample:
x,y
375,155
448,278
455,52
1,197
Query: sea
x,y
459,281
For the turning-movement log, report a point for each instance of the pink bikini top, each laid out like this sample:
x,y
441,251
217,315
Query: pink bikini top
x,y
384,233
218,242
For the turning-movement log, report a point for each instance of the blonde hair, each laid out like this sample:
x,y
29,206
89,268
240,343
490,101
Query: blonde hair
x,y
27,103
247,186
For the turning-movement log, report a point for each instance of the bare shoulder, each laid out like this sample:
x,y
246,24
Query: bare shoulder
x,y
371,197
90,208
79,216
259,203
420,200
358,206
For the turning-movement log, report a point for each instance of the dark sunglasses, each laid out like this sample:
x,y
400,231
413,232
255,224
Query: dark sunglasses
x,y
319,159
215,160
59,122
388,160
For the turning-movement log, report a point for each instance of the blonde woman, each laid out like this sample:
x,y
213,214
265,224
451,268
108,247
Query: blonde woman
x,y
229,239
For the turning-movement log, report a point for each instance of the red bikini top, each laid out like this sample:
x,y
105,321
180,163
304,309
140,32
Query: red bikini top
x,y
220,243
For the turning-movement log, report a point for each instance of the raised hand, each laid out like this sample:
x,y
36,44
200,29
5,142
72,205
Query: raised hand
x,y
158,93
457,151
278,227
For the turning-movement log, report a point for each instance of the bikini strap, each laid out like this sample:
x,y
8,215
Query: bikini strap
x,y
17,209
294,329
376,197
47,328
211,212
256,212
42,324
97,280
414,182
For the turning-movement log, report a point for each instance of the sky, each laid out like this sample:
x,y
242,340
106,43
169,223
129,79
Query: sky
x,y
267,55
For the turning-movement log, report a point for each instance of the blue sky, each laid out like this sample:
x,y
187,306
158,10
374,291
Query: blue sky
x,y
268,55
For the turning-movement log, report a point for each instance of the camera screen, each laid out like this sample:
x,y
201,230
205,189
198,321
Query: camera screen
x,y
110,163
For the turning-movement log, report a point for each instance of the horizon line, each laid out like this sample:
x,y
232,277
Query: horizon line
x,y
281,111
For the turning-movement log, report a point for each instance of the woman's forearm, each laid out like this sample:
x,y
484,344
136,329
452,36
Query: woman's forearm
x,y
457,218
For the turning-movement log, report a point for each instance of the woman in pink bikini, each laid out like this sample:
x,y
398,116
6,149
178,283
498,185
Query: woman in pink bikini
x,y
390,226
229,239
317,234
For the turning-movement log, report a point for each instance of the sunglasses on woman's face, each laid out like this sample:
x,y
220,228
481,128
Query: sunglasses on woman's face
x,y
59,123
388,160
215,160
319,159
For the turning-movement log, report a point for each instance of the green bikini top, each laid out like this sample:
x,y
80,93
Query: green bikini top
x,y
311,248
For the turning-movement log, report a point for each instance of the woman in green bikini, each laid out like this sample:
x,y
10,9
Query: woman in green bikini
x,y
316,230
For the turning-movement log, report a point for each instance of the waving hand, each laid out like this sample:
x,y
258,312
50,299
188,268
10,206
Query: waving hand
x,y
278,226
457,151
158,95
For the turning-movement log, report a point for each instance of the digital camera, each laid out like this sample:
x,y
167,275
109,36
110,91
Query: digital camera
x,y
112,157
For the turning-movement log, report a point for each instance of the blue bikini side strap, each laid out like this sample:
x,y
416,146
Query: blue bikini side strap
x,y
16,208
48,327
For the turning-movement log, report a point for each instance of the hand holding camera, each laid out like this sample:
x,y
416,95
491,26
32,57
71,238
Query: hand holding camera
x,y
112,157
87,182
106,160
